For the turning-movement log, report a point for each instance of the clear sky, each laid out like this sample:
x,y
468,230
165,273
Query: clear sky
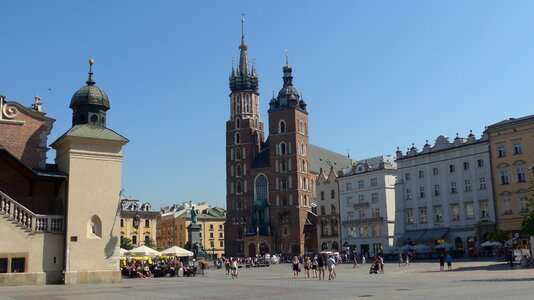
x,y
375,74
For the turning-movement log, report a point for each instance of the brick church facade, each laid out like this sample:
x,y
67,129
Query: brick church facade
x,y
269,182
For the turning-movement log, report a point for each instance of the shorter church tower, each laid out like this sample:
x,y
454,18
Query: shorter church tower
x,y
91,155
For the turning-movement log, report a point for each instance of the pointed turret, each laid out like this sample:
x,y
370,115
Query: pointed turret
x,y
244,78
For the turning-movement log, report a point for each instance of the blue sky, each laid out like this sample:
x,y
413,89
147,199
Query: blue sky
x,y
375,74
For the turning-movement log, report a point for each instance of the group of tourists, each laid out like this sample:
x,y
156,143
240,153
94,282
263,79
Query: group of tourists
x,y
314,268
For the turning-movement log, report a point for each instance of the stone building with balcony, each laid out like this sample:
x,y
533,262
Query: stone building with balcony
x,y
367,205
444,193
59,222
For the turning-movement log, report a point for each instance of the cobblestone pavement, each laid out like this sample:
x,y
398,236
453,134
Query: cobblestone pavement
x,y
421,280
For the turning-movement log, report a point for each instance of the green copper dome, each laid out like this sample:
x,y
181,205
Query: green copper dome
x,y
89,95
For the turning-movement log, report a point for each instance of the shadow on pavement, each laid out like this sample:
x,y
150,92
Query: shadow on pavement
x,y
493,267
501,280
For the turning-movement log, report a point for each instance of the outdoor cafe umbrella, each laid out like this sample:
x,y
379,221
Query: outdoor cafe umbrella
x,y
144,251
444,246
177,251
327,252
421,248
123,252
491,244
392,249
407,248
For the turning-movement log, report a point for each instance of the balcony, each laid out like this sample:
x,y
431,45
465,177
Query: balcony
x,y
364,221
360,205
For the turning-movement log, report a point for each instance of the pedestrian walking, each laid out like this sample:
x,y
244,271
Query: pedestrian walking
x,y
331,264
449,261
295,265
320,266
441,262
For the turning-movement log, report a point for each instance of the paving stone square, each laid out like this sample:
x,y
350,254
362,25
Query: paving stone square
x,y
420,280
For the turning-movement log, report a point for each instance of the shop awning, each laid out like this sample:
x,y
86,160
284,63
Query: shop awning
x,y
413,235
434,234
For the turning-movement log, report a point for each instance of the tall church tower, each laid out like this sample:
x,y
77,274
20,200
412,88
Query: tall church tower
x,y
244,139
291,181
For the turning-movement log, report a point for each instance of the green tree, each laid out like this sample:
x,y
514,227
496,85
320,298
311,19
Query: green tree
x,y
498,235
527,225
150,243
126,243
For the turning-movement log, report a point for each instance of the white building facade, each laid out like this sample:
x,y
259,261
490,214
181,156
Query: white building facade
x,y
444,194
367,205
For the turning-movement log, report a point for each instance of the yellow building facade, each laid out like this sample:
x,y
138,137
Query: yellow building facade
x,y
512,161
172,228
146,229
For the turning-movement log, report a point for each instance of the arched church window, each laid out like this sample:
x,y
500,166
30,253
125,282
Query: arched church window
x,y
301,126
282,148
260,189
282,126
237,123
237,154
238,187
238,104
238,171
302,149
237,138
247,103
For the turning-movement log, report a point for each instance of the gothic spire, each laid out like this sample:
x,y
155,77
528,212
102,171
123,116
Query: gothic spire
x,y
243,63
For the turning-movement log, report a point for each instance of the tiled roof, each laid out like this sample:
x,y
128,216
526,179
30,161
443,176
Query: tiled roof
x,y
96,132
324,158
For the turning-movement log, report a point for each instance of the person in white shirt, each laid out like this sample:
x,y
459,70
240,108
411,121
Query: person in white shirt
x,y
331,264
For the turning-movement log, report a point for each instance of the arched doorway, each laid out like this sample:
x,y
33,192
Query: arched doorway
x,y
252,250
335,246
324,246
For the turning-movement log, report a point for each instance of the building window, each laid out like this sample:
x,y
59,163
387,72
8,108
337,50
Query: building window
x,y
360,184
301,127
282,126
517,148
482,183
323,211
408,194
374,197
322,195
467,185
221,235
435,171
134,240
122,222
501,151
422,215
407,176
437,213
3,265
350,215
332,194
455,212
374,181
237,154
504,177
376,212
18,265
349,201
221,244
348,186
466,165
361,198
211,227
469,211
453,188
421,192
282,148
247,103
525,205
480,163
421,174
507,204
363,214
484,209
211,235
452,168
436,189
377,231
147,223
521,175
409,216
333,208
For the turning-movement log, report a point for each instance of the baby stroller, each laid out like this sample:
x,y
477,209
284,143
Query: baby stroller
x,y
374,268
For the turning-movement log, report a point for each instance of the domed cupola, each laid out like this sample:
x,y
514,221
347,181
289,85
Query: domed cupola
x,y
89,104
288,95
